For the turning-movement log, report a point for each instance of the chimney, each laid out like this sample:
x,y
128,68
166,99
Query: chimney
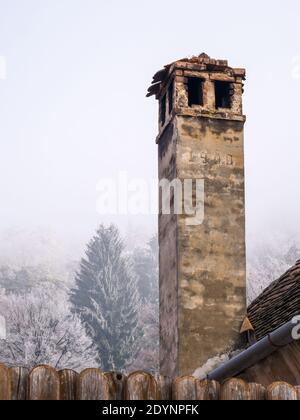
x,y
202,259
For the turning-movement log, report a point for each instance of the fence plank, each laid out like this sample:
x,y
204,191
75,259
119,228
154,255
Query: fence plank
x,y
281,391
5,383
117,385
184,389
43,384
297,388
235,390
141,386
19,383
68,384
257,392
164,385
207,390
93,385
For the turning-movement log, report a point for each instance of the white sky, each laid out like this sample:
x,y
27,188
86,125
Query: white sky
x,y
73,106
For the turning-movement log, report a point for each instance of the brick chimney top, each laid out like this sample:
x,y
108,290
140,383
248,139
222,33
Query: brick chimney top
x,y
201,63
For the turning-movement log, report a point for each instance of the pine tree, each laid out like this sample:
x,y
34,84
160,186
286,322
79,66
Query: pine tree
x,y
107,300
145,265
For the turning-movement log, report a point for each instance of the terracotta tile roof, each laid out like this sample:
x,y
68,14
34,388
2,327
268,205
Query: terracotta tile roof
x,y
277,305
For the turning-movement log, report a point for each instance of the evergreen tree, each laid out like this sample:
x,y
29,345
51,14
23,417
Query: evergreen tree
x,y
145,264
107,300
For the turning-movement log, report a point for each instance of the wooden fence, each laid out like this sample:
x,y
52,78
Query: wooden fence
x,y
45,383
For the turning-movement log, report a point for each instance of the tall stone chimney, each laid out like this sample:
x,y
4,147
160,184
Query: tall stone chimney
x,y
202,266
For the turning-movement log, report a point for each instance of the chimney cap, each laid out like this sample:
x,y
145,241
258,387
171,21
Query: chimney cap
x,y
202,63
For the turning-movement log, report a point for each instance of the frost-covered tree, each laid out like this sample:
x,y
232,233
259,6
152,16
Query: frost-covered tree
x,y
107,300
145,264
26,278
147,358
267,262
40,329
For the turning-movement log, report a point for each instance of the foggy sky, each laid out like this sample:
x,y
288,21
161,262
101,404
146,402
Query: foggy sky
x,y
73,107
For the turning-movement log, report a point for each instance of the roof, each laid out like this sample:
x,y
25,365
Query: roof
x,y
271,317
277,305
200,63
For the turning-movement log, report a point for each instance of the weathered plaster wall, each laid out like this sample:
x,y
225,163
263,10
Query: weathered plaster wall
x,y
168,262
212,264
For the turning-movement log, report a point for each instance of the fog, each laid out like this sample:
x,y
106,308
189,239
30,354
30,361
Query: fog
x,y
73,110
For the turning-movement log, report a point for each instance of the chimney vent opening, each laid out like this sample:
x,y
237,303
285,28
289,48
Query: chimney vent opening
x,y
195,91
170,96
163,110
223,94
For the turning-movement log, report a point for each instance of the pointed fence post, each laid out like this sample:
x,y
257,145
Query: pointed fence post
x,y
297,388
208,390
164,388
93,385
68,384
43,384
5,384
281,391
19,382
257,392
141,386
117,385
184,389
235,390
